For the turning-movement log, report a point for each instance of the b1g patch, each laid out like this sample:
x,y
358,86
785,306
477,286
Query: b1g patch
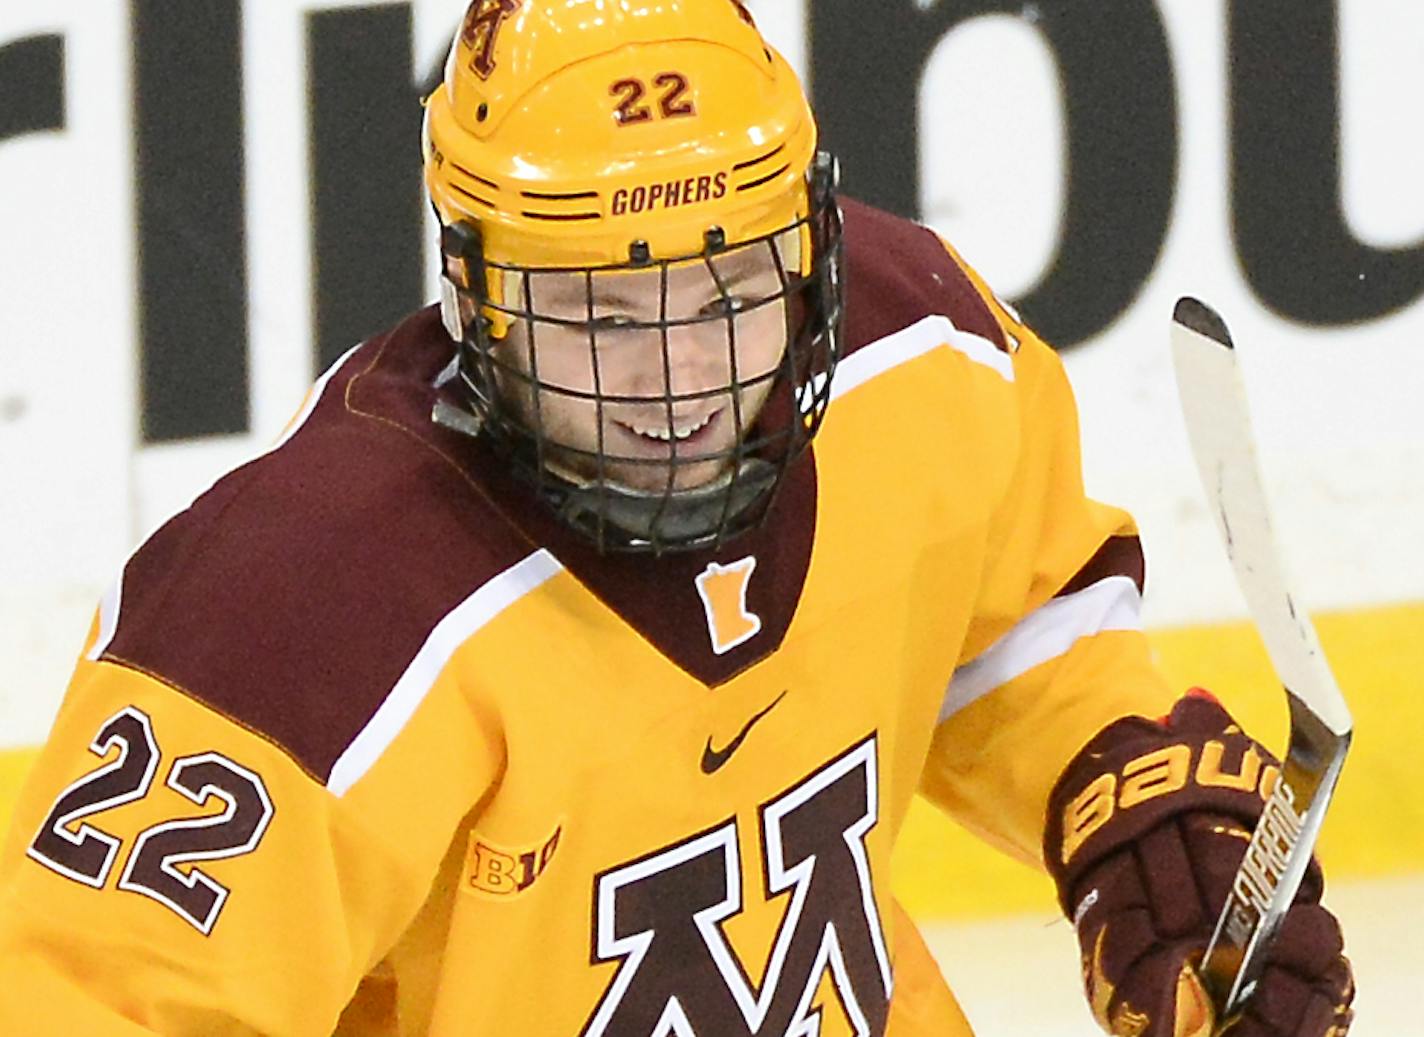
x,y
502,872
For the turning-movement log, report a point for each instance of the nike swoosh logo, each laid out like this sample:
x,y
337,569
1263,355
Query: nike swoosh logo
x,y
713,759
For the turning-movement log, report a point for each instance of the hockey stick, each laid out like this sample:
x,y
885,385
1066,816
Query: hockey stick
x,y
1219,426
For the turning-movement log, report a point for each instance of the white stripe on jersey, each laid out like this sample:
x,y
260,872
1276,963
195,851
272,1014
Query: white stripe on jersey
x,y
108,618
458,626
919,338
1044,634
313,398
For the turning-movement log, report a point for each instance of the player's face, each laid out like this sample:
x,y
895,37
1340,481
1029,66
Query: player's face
x,y
667,413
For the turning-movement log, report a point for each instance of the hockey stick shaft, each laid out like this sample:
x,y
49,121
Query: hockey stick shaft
x,y
1219,427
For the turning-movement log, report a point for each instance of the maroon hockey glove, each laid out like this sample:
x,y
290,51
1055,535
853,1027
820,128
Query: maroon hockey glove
x,y
1146,829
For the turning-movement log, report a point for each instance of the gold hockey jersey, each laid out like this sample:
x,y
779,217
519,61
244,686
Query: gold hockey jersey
x,y
365,742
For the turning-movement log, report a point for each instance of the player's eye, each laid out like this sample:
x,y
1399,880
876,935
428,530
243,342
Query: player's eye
x,y
619,331
726,306
614,323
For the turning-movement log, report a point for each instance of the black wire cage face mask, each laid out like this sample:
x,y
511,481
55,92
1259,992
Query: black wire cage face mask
x,y
655,405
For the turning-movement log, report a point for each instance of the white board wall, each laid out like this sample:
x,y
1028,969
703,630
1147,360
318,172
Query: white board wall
x,y
1338,410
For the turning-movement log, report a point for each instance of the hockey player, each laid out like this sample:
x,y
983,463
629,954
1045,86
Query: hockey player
x,y
547,678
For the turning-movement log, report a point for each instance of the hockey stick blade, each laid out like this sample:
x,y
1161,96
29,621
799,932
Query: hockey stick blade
x,y
1219,426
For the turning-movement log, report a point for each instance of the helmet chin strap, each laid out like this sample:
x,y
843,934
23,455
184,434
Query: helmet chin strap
x,y
654,516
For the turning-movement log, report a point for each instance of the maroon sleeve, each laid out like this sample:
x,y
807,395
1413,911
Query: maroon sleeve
x,y
292,595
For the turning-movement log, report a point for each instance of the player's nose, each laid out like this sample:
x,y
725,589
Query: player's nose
x,y
702,372
698,359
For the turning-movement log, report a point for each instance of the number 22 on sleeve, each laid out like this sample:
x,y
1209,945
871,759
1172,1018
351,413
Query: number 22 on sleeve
x,y
69,845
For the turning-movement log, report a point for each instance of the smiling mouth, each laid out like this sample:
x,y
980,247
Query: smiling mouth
x,y
680,431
